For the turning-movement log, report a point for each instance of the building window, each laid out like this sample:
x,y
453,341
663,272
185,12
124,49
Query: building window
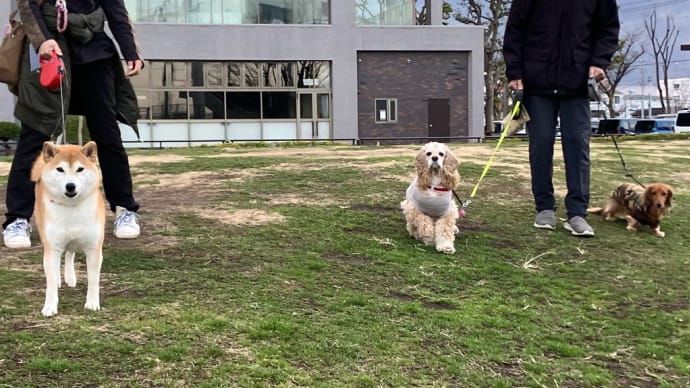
x,y
386,110
279,105
216,90
388,13
279,75
243,105
230,11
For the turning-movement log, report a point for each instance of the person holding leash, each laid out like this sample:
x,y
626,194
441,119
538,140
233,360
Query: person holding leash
x,y
93,84
551,48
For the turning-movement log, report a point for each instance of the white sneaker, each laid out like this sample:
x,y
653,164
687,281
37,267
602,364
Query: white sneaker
x,y
126,223
18,234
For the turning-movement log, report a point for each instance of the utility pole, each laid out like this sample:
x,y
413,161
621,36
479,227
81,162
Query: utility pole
x,y
644,90
649,81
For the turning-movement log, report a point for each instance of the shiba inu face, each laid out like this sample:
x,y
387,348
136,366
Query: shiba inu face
x,y
69,171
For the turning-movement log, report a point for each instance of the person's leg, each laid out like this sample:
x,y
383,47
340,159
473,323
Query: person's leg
x,y
19,197
576,129
541,130
93,89
575,133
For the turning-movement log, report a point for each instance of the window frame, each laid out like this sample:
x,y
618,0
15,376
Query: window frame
x,y
389,102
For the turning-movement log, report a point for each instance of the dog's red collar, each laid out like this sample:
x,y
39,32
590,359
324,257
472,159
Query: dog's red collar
x,y
439,188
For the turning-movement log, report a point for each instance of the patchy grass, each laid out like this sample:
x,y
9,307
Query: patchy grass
x,y
332,291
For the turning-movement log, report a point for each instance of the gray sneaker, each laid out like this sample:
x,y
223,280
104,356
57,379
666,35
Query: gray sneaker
x,y
546,219
578,227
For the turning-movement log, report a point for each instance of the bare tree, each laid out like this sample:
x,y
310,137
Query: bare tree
x,y
621,65
422,13
662,49
491,14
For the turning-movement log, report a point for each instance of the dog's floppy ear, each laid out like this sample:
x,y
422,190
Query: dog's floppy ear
x,y
669,196
49,151
90,151
450,177
423,176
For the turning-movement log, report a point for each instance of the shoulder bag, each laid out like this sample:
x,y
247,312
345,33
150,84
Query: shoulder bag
x,y
11,51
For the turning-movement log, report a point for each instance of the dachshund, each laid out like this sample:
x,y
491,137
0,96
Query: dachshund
x,y
646,207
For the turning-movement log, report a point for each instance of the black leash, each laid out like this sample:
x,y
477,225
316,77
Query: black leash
x,y
625,167
592,87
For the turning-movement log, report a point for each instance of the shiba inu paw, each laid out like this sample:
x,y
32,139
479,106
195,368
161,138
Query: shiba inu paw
x,y
446,248
71,280
92,305
49,310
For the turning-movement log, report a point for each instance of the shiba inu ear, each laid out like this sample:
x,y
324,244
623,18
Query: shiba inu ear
x,y
49,151
90,151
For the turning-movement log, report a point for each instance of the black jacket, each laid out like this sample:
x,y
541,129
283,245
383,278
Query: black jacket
x,y
550,44
41,109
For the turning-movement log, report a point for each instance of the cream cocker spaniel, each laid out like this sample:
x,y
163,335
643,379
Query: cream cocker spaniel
x,y
429,209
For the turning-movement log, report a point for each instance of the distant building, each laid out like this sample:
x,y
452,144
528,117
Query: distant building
x,y
234,70
637,100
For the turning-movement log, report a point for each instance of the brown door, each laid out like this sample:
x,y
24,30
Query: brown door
x,y
438,110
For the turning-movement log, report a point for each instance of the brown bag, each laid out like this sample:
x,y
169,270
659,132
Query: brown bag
x,y
11,52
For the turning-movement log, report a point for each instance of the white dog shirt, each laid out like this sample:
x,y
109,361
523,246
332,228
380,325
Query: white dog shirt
x,y
435,201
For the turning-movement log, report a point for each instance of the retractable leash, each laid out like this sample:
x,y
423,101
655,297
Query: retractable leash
x,y
51,78
513,113
592,84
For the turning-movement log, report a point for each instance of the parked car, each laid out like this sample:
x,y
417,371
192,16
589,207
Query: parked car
x,y
643,127
621,126
682,122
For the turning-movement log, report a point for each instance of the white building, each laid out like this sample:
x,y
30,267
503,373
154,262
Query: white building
x,y
245,70
636,97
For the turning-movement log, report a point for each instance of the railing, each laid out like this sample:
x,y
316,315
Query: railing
x,y
7,148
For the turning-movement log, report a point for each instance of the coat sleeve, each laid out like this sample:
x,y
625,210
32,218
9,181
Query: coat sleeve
x,y
32,19
605,35
514,38
122,28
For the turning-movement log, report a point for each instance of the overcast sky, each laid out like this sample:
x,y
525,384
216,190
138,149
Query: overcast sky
x,y
634,13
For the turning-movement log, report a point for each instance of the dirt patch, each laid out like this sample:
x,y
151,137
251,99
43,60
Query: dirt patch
x,y
251,217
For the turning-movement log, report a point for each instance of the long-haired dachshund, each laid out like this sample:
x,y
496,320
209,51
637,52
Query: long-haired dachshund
x,y
646,207
429,210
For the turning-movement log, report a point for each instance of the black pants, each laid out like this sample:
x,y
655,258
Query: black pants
x,y
93,91
576,129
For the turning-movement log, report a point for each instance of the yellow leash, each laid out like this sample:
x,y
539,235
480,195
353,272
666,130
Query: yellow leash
x,y
513,114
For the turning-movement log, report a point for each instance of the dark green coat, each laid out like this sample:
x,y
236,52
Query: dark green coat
x,y
40,109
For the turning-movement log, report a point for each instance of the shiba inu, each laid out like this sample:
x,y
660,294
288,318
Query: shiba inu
x,y
70,216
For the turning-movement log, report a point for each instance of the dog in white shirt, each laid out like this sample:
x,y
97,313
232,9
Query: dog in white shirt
x,y
429,209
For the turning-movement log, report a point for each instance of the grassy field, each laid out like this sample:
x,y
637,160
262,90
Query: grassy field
x,y
292,267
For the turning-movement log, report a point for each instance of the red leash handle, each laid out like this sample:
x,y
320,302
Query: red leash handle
x,y
52,71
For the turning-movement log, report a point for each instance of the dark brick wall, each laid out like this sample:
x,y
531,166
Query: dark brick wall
x,y
412,78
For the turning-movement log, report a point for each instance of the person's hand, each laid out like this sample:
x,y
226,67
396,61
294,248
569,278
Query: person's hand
x,y
134,67
45,50
596,73
515,84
